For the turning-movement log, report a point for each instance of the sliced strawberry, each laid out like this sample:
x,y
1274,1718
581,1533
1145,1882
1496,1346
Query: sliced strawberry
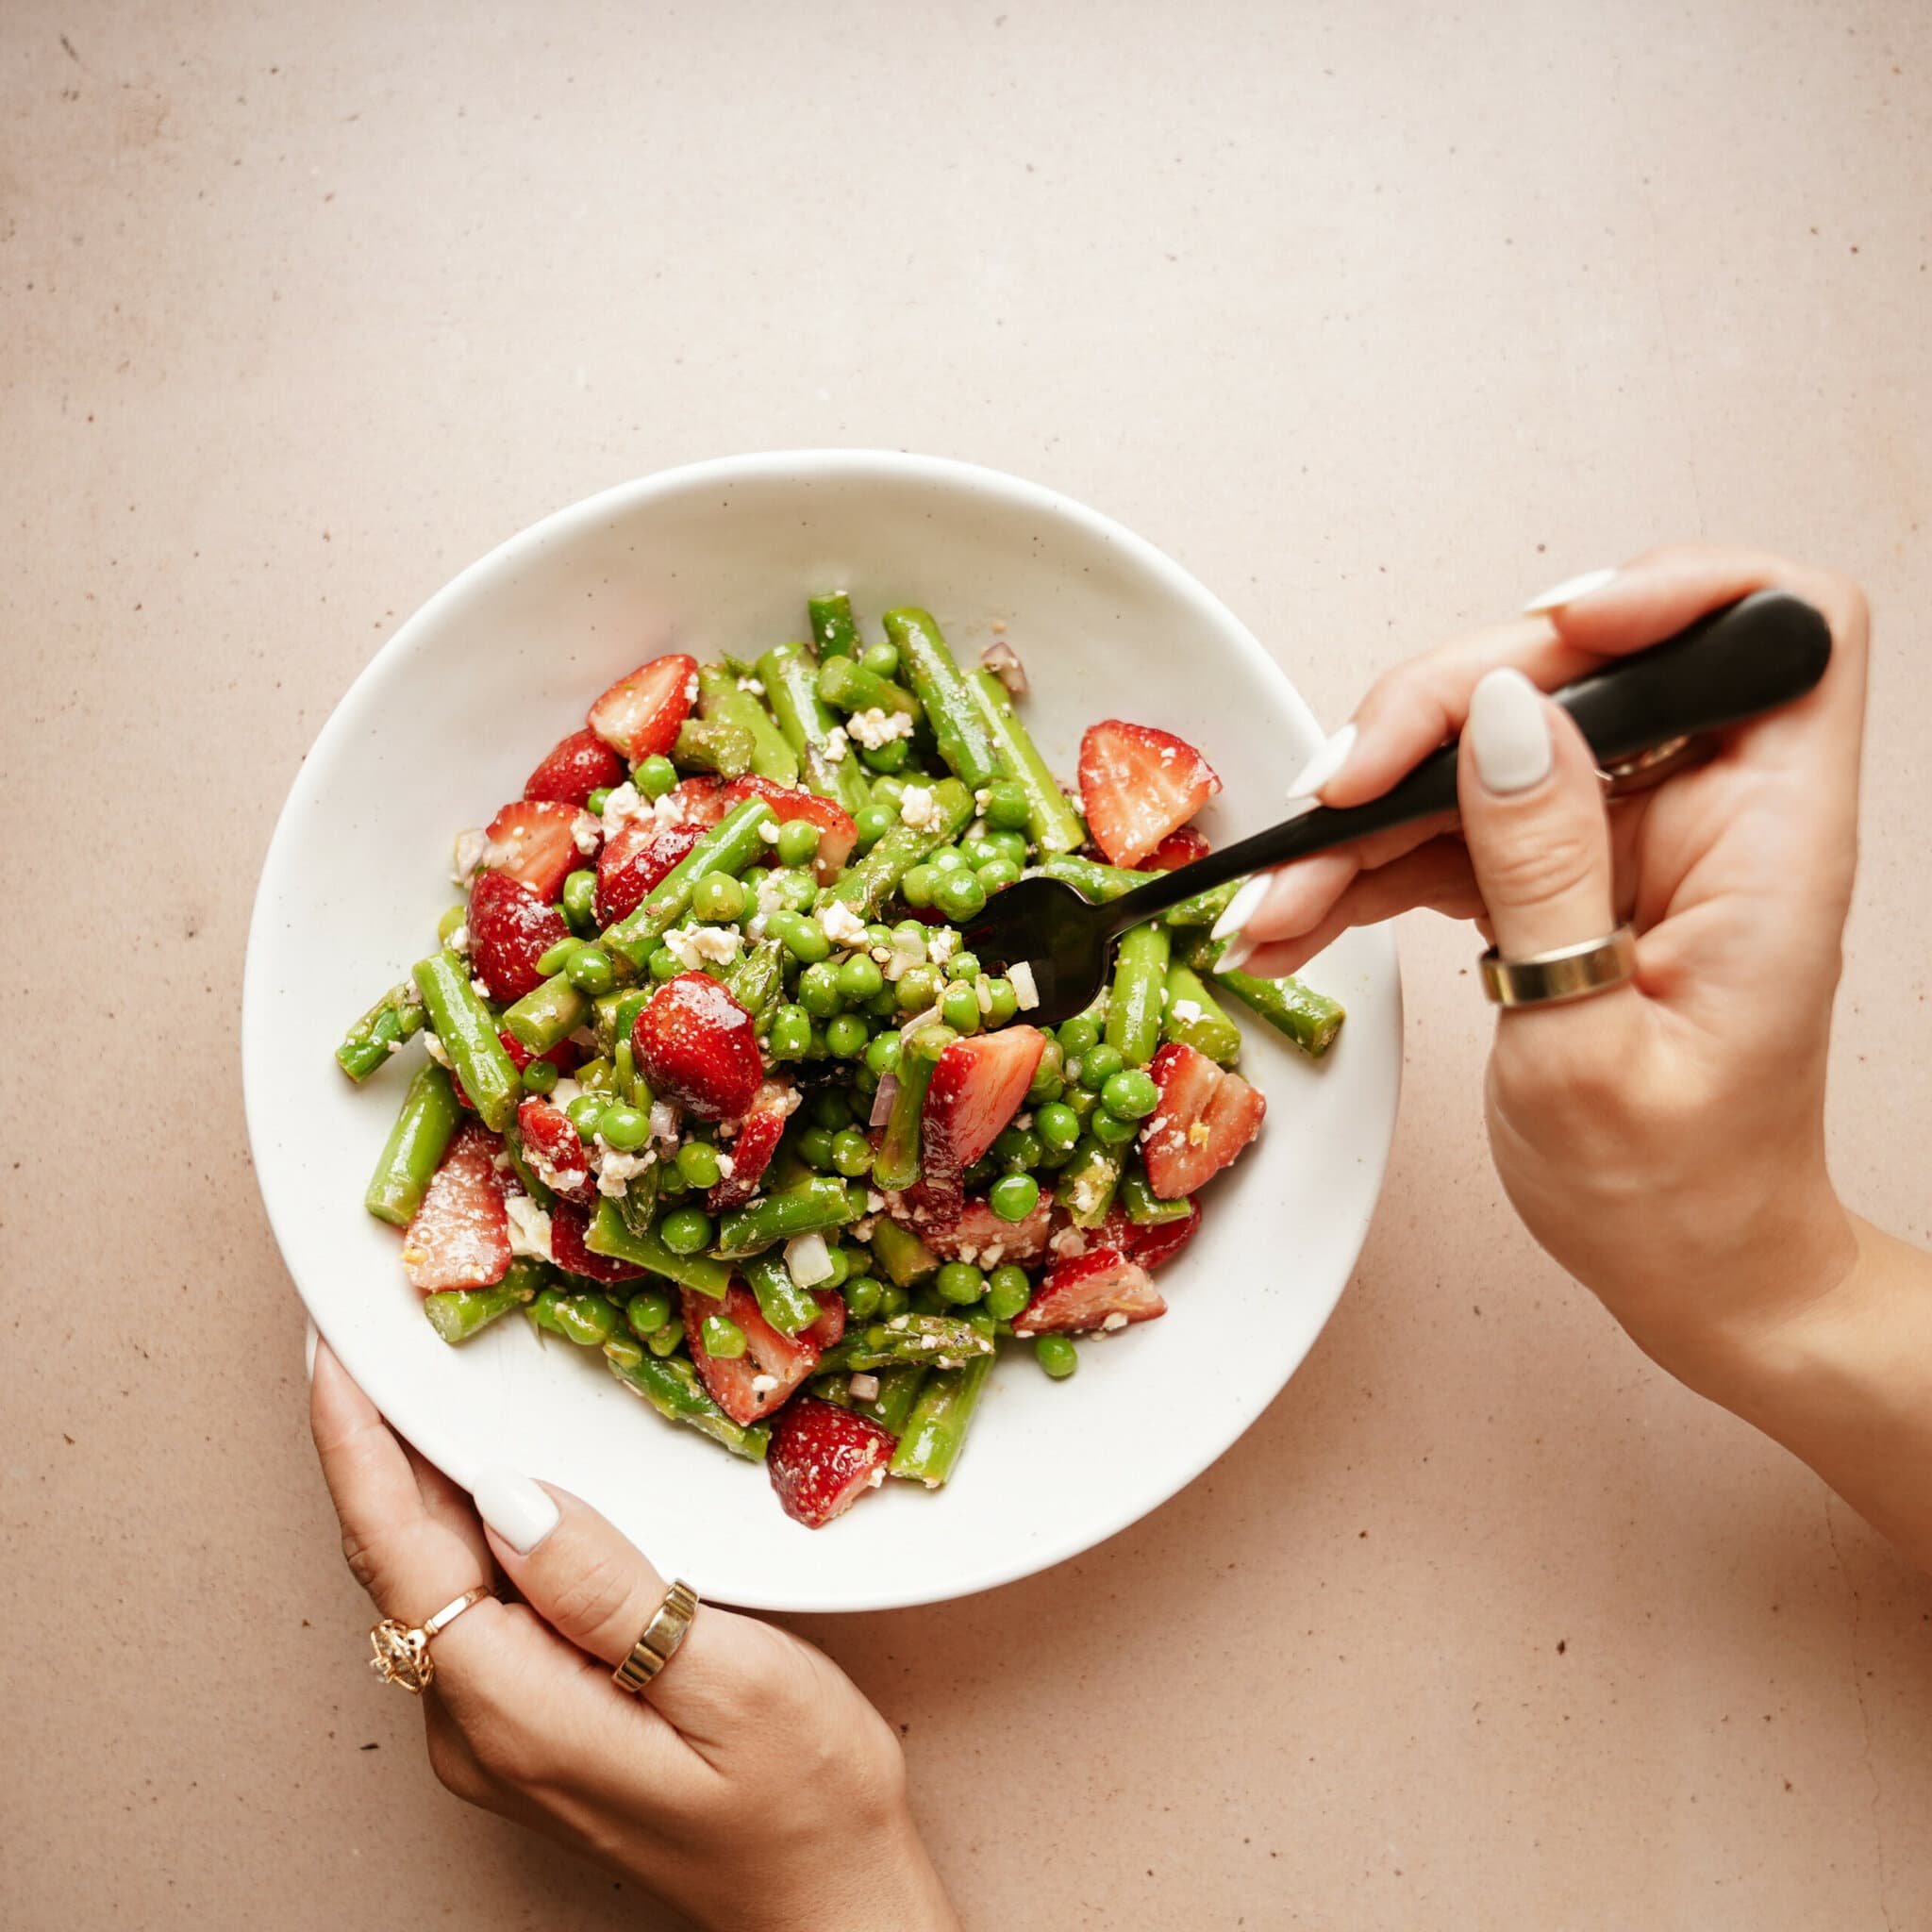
x,y
978,1085
830,1325
639,714
1205,1117
747,1387
1137,785
823,1458
510,929
699,801
694,1043
633,863
573,768
1179,848
1151,1243
837,833
758,1139
460,1237
565,1056
1101,1289
554,1151
534,840
959,1228
568,1225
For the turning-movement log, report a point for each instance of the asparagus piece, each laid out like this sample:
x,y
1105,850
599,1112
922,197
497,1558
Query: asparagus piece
x,y
424,1123
1146,1208
867,885
468,1033
730,845
1101,883
672,1388
613,1014
720,701
1087,1181
848,686
820,1203
904,1257
935,1432
756,981
1051,819
1311,1020
547,1015
963,740
896,1163
898,1391
585,1316
607,1235
1204,908
711,744
834,629
1197,1019
786,1306
514,1146
458,1313
941,1342
1139,984
791,675
370,1043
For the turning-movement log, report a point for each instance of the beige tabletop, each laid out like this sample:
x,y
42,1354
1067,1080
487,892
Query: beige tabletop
x,y
1377,317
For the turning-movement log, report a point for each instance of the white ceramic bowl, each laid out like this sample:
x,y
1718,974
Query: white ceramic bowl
x,y
445,722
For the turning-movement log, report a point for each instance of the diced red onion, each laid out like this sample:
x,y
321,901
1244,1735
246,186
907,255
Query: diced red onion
x,y
882,1101
918,1022
1004,662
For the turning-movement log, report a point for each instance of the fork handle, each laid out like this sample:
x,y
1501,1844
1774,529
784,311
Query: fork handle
x,y
1752,657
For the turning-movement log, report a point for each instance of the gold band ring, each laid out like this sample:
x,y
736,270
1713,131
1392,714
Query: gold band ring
x,y
1565,973
402,1653
668,1624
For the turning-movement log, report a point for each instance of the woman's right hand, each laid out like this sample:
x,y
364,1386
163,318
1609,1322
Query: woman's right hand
x,y
1664,1141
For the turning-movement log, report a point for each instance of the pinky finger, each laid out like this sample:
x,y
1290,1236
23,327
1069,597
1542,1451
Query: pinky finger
x,y
1436,876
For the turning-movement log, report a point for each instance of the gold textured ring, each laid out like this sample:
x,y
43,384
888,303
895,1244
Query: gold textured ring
x,y
1565,973
666,1630
402,1653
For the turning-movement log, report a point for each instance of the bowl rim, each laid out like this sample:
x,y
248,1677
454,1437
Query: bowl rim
x,y
804,466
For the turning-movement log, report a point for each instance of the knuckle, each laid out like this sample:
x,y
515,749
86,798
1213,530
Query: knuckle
x,y
365,1566
599,1595
1540,865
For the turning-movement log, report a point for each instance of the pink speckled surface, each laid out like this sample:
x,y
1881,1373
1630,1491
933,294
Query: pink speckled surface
x,y
1377,318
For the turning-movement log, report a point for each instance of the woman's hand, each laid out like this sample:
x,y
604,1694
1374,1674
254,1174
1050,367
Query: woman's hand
x,y
1665,1141
751,1786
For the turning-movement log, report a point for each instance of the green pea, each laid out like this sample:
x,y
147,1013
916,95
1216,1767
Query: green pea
x,y
790,1035
1005,807
818,990
841,1262
879,934
888,757
845,1035
865,1083
1077,1035
1057,1125
598,800
1008,1290
948,858
718,899
453,917
540,1077
685,1231
798,843
815,1147
1085,1103
1110,1130
656,775
1130,1093
882,1055
881,659
873,823
1057,1354
996,875
1016,1149
665,964
591,970
861,1294
1010,847
916,887
587,1319
584,1113
1014,1196
918,986
697,1161
831,1108
960,1283
1098,1065
859,978
964,965
817,1049
624,1126
977,849
893,1300
1005,1002
1052,1058
665,1340
959,1007
851,1152
580,900
884,1005
647,1310
797,891
721,1336
1054,1158
929,1041
982,1174
672,1186
889,791
959,896
555,958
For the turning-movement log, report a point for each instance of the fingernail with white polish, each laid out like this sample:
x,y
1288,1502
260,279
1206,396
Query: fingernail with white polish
x,y
1569,590
520,1512
1509,733
1241,907
1327,762
309,1342
1235,956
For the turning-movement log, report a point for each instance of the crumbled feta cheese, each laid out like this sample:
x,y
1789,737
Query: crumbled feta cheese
x,y
459,940
564,1092
837,743
391,1046
1025,988
1072,1069
434,1048
941,942
469,856
695,946
479,988
1069,1241
843,925
615,1168
917,808
807,1260
726,1167
763,1385
1023,1121
875,1200
862,1227
875,726
755,685
691,689
665,1116
1113,1323
769,831
586,831
558,1180
982,798
529,1228
1185,1010
864,1388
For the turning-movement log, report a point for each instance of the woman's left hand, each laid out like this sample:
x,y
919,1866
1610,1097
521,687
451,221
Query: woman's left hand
x,y
751,1787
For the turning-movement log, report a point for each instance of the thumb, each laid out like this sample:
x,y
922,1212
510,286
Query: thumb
x,y
1533,818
